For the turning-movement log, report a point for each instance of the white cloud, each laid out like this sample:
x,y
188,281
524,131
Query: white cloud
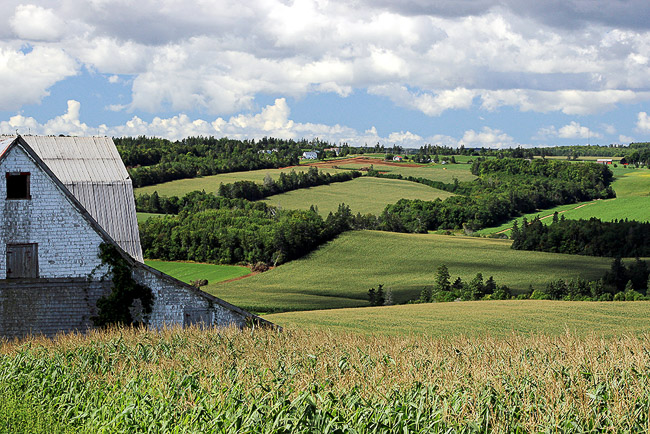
x,y
570,102
625,139
643,122
427,103
272,121
215,57
34,23
67,123
26,78
573,130
487,137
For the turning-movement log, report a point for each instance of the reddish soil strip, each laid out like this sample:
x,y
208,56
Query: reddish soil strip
x,y
361,160
551,215
244,276
239,278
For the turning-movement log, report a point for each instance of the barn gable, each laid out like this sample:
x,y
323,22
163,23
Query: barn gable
x,y
92,170
48,223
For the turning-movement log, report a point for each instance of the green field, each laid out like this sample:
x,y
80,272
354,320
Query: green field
x,y
632,202
210,184
187,271
479,318
364,195
144,216
435,172
340,273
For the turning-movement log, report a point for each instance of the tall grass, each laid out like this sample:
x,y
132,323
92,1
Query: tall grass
x,y
196,380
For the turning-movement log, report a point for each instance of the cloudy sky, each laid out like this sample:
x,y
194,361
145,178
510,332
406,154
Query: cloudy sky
x,y
474,72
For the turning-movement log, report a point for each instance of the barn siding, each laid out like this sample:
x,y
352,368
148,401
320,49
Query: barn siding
x,y
64,297
48,306
67,244
176,303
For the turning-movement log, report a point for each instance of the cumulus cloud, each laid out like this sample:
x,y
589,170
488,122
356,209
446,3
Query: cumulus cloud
x,y
212,59
272,121
487,137
428,103
67,123
26,77
573,130
35,23
643,122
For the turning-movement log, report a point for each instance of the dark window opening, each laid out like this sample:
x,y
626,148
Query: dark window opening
x,y
18,186
22,261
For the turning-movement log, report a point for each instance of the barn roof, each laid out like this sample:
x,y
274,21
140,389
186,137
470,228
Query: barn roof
x,y
91,168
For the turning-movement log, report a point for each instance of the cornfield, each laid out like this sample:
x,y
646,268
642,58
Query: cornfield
x,y
194,380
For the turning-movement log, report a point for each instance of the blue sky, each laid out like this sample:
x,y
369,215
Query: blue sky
x,y
496,73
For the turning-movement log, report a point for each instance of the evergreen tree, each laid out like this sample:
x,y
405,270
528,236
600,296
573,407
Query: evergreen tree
x,y
442,282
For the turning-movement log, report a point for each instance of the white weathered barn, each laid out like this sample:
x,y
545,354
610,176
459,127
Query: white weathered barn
x,y
62,198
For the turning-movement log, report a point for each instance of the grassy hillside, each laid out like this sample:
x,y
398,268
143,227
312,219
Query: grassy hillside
x,y
144,216
211,183
340,273
632,187
364,195
435,172
479,318
187,271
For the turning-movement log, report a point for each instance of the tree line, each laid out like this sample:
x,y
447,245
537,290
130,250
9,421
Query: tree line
x,y
620,283
505,188
216,229
285,182
152,160
591,237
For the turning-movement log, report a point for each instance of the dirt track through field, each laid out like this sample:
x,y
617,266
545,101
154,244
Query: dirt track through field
x,y
551,215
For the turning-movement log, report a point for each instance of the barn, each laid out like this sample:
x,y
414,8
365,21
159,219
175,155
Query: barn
x,y
65,200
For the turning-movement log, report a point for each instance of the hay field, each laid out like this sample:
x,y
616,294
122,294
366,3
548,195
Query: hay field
x,y
211,183
479,318
364,195
340,273
187,271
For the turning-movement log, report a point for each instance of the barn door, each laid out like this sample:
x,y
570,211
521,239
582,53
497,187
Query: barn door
x,y
22,261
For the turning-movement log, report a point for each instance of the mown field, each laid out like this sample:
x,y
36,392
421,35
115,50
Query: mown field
x,y
211,183
144,216
479,318
632,202
364,195
187,271
317,381
340,273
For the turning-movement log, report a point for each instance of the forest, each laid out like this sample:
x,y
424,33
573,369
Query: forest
x,y
505,188
152,160
583,237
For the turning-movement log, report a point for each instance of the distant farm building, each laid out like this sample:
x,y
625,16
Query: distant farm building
x,y
311,155
63,198
337,151
604,161
397,158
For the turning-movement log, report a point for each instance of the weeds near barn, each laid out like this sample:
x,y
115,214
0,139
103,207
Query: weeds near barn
x,y
265,381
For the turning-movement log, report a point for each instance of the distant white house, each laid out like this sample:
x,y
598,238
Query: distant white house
x,y
604,161
311,155
397,158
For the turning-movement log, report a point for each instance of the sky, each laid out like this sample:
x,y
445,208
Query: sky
x,y
494,73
